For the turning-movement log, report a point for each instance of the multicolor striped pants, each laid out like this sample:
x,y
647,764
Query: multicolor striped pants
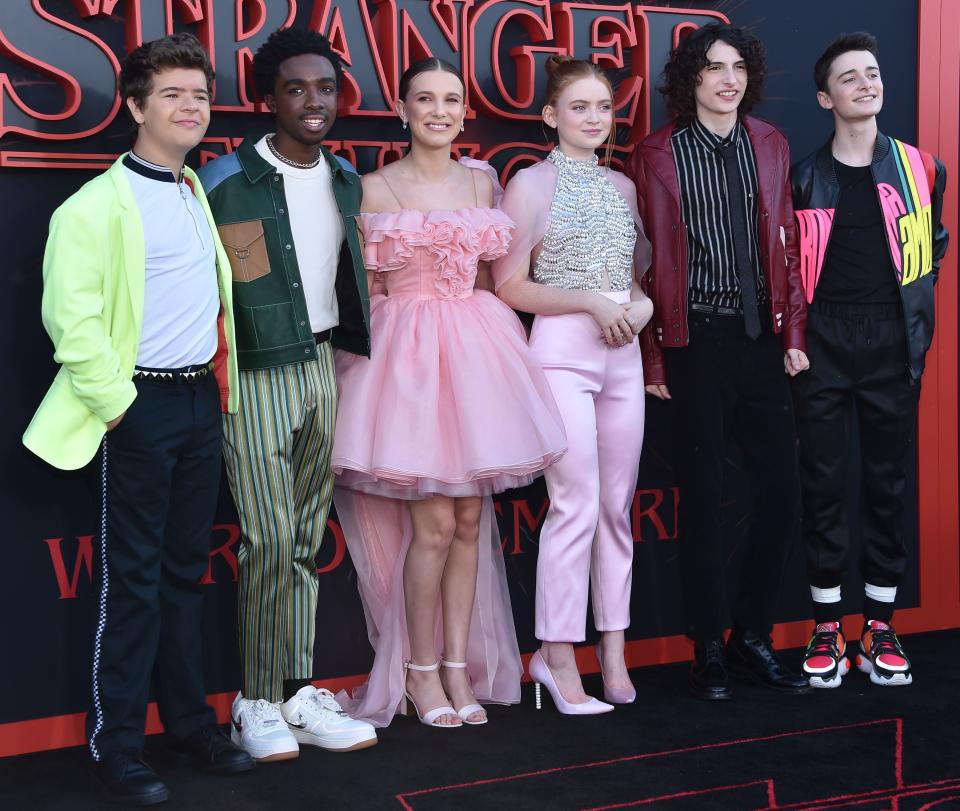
x,y
277,452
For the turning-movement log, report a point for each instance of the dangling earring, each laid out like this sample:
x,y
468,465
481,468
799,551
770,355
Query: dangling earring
x,y
461,126
404,123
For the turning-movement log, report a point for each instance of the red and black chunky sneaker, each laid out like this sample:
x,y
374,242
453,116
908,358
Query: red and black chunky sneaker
x,y
825,663
881,655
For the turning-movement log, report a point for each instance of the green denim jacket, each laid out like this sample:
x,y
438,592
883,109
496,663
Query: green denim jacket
x,y
270,312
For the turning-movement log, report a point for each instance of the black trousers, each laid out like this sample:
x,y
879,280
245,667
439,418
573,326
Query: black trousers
x,y
858,377
725,386
161,476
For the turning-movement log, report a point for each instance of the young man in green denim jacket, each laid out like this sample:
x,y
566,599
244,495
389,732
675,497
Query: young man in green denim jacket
x,y
286,208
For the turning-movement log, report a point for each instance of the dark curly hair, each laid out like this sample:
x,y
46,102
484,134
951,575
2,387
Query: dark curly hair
x,y
681,73
284,44
145,62
858,41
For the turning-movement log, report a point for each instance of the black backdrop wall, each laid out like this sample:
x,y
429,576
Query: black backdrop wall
x,y
46,591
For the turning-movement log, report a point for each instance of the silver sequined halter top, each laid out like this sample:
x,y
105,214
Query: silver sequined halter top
x,y
590,230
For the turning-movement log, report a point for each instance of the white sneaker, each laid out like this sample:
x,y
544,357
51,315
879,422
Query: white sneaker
x,y
259,728
315,718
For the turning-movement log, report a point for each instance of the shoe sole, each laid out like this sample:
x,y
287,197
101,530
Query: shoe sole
x,y
308,739
751,678
155,798
275,757
843,667
896,680
711,696
265,755
214,768
231,768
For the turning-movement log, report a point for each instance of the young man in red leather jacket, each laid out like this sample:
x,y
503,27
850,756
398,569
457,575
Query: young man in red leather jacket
x,y
728,328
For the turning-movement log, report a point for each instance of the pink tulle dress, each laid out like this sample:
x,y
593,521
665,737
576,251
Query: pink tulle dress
x,y
450,402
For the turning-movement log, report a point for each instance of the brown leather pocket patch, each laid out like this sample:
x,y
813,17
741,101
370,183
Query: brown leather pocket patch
x,y
246,248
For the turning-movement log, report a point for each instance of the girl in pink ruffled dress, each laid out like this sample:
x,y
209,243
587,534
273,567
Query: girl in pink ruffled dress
x,y
449,408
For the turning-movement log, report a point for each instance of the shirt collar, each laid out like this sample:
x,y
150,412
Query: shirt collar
x,y
256,167
154,171
710,141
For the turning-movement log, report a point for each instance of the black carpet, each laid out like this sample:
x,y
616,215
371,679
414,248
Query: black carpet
x,y
856,747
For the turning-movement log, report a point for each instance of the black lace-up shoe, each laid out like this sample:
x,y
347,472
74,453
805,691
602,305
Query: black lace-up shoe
x,y
708,675
210,748
130,780
751,657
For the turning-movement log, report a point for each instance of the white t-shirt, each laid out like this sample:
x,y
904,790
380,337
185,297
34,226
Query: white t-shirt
x,y
317,234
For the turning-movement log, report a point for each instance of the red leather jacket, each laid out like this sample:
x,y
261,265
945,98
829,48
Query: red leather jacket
x,y
652,168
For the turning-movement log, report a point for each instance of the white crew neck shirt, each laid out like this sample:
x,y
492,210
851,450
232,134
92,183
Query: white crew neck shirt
x,y
317,234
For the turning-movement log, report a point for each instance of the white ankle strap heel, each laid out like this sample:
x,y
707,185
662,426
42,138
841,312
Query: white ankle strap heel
x,y
470,709
430,717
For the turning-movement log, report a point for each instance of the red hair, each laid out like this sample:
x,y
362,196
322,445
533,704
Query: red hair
x,y
563,71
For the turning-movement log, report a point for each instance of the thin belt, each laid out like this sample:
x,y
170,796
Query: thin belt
x,y
322,337
713,309
717,318
185,374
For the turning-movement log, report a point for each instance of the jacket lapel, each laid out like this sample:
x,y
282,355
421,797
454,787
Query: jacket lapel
x,y
660,159
131,236
767,180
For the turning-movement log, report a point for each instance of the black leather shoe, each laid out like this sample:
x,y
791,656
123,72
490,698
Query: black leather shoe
x,y
210,748
130,780
751,657
708,675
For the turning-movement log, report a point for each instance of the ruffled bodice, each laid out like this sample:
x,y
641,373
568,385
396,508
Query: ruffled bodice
x,y
432,254
470,412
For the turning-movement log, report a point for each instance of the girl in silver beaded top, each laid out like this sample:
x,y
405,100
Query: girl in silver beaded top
x,y
577,254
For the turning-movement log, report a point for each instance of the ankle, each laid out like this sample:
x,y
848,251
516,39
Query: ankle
x,y
419,678
559,655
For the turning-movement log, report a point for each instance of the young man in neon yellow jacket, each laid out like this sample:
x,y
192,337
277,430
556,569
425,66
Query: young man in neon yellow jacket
x,y
137,301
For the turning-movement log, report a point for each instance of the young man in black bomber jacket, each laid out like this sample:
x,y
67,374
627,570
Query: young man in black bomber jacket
x,y
868,214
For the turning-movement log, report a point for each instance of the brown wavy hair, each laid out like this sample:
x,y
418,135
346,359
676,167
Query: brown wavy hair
x,y
431,63
681,74
563,71
142,64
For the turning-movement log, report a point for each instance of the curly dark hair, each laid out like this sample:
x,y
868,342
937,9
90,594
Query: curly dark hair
x,y
858,41
284,44
681,73
145,62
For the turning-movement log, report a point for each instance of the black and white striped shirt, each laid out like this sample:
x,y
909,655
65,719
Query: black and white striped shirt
x,y
711,262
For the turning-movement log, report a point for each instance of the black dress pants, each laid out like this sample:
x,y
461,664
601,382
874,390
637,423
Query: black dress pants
x,y
725,386
161,477
858,377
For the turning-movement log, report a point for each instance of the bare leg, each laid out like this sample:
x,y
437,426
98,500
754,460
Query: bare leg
x,y
562,662
434,524
458,589
614,668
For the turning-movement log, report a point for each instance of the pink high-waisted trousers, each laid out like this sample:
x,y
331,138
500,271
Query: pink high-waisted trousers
x,y
586,536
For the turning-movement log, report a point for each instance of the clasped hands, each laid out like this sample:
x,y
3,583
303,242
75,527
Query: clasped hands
x,y
621,323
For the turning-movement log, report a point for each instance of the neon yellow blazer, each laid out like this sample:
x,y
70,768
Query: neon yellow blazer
x,y
93,282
